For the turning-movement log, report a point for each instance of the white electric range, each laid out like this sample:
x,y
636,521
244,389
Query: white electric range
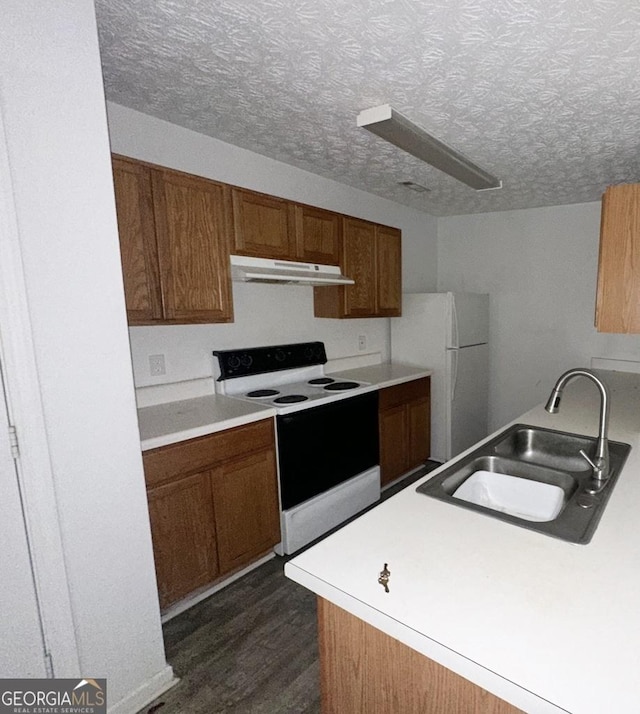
x,y
327,434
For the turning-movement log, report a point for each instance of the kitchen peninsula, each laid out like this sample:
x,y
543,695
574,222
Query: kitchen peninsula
x,y
544,625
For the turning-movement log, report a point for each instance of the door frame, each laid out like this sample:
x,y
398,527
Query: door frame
x,y
26,413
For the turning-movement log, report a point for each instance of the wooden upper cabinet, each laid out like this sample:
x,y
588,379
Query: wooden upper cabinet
x,y
270,227
318,235
174,241
136,228
389,271
177,231
359,263
263,225
371,255
618,296
192,227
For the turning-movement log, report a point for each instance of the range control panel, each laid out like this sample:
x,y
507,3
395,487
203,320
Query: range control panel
x,y
259,360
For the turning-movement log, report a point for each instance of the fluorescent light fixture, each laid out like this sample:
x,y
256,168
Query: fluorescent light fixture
x,y
389,124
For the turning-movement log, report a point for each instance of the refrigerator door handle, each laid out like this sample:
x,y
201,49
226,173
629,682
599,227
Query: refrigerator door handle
x,y
454,372
455,337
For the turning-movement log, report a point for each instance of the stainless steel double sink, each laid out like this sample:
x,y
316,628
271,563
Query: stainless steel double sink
x,y
534,478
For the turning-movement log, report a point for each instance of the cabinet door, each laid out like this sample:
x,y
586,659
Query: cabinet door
x,y
183,533
245,494
263,225
388,271
419,418
139,254
192,224
394,443
318,235
359,263
618,297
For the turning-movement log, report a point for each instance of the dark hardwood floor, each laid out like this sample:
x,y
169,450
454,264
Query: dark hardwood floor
x,y
251,648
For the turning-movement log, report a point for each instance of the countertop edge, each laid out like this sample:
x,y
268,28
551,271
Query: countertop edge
x,y
474,672
385,374
206,429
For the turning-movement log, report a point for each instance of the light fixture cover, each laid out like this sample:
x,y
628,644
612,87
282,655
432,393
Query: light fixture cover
x,y
389,124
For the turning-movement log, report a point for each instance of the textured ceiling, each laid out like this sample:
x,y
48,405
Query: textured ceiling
x,y
545,95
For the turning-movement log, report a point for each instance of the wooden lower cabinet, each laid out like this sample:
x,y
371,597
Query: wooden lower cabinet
x,y
213,506
419,423
365,671
246,508
394,443
404,419
183,532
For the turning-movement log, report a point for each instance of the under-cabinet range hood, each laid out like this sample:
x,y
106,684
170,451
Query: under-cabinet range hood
x,y
265,270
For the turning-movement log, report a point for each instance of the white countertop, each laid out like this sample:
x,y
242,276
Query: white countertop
x,y
386,374
547,625
170,422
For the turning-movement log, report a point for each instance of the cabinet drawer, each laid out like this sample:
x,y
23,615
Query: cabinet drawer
x,y
168,462
405,393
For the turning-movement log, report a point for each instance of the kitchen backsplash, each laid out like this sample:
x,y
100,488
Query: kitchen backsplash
x,y
264,315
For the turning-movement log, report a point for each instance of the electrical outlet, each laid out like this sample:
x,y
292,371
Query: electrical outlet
x,y
156,365
362,342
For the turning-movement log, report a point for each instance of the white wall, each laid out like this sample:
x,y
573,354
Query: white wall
x,y
53,105
265,314
539,267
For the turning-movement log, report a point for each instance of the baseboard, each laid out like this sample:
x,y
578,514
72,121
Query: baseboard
x,y
145,694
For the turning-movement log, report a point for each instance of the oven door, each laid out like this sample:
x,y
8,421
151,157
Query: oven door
x,y
321,447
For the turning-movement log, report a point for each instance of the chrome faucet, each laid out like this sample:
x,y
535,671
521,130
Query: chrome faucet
x,y
600,463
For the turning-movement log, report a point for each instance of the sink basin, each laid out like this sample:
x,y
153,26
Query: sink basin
x,y
521,497
555,449
534,478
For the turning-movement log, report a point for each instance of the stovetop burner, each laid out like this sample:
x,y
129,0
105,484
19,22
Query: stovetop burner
x,y
289,378
258,393
340,386
290,399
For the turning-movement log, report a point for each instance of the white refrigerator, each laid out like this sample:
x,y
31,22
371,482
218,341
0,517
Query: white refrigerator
x,y
449,334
